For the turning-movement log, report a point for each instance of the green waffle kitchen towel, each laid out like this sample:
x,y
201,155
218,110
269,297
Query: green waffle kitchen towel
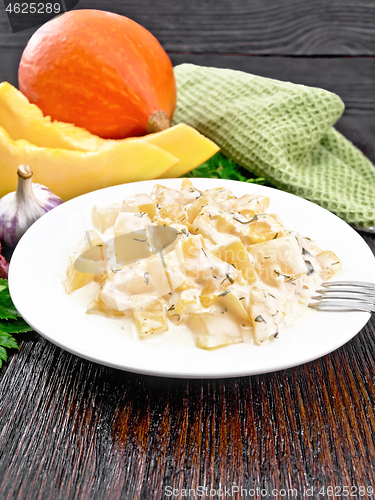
x,y
283,132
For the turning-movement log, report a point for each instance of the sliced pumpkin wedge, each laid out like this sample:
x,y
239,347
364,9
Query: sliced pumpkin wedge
x,y
23,120
72,173
187,144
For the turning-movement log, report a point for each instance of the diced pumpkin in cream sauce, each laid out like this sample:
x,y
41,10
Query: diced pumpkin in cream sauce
x,y
187,185
279,260
236,254
266,312
226,265
186,304
215,330
330,264
105,217
173,212
204,268
138,204
212,223
264,228
222,196
235,301
250,204
149,314
127,222
194,209
132,278
74,279
110,301
165,196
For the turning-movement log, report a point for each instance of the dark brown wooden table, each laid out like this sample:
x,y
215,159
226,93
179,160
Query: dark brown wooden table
x,y
73,429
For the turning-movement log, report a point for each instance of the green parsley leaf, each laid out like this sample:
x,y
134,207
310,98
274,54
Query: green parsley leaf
x,y
15,326
7,309
6,340
221,167
10,322
3,356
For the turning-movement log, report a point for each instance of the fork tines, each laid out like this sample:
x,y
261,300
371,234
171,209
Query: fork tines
x,y
345,296
352,284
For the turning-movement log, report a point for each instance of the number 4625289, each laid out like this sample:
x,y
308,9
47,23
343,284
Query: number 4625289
x,y
33,8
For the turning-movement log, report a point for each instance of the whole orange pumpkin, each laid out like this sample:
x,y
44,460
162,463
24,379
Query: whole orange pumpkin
x,y
100,71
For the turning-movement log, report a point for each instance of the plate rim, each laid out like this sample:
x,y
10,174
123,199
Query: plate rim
x,y
163,372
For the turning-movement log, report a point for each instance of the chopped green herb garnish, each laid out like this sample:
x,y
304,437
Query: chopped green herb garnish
x,y
171,308
228,278
137,239
241,298
203,250
178,316
224,293
256,217
290,280
281,274
306,252
276,235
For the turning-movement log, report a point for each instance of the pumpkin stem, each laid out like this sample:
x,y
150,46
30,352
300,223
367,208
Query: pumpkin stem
x,y
157,122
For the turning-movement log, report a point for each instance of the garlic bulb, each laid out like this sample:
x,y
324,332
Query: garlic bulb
x,y
20,209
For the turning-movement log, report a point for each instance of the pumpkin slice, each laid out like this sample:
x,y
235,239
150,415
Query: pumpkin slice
x,y
186,144
215,330
75,279
23,120
149,314
235,254
72,173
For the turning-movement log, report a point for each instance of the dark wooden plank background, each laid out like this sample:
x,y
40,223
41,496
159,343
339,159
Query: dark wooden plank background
x,y
73,429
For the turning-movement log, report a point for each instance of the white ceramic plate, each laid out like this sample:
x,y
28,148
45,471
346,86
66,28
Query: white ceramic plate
x,y
40,258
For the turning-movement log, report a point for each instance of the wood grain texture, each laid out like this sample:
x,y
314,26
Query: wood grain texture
x,y
353,79
297,27
72,429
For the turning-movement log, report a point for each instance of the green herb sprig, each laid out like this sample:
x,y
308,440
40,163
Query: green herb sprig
x,y
10,322
221,167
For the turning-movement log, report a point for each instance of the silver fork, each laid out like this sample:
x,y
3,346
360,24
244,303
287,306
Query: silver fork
x,y
345,296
